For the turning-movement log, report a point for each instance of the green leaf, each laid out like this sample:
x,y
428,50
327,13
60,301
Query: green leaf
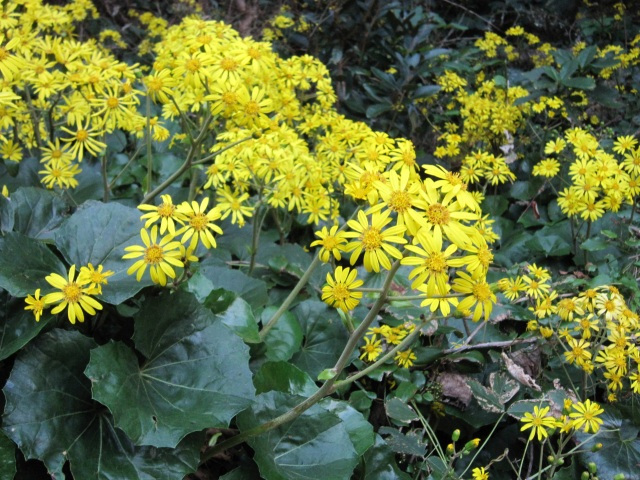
x,y
377,109
594,244
380,463
50,415
487,399
283,377
195,375
19,328
409,444
37,212
621,450
6,214
246,471
359,429
97,233
239,318
314,445
426,91
251,289
324,337
7,457
550,245
581,83
285,337
398,410
21,274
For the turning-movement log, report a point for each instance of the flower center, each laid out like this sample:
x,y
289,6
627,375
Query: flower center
x,y
371,238
229,98
251,108
481,291
436,262
400,201
153,254
340,292
112,102
228,64
438,214
72,292
330,243
82,135
485,256
155,84
166,209
192,65
199,221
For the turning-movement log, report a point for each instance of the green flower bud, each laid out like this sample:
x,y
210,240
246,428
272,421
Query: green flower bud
x,y
593,468
455,436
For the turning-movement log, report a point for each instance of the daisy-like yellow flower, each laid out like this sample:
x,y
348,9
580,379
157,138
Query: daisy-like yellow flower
x,y
375,240
546,168
83,139
624,144
339,291
586,415
479,473
166,213
431,264
406,358
332,242
398,195
158,256
35,304
480,294
538,422
371,349
443,302
94,277
74,295
199,223
578,351
511,287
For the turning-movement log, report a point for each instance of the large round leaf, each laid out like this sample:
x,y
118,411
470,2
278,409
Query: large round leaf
x,y
37,212
317,444
19,326
195,375
50,415
97,233
24,262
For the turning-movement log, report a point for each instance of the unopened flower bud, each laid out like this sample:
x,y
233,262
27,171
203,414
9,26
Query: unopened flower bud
x,y
596,447
455,436
593,468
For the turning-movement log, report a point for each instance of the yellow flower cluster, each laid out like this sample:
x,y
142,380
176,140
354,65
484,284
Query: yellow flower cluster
x,y
600,182
576,416
75,293
595,329
384,337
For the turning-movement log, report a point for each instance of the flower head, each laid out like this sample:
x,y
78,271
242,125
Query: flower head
x,y
159,256
36,304
339,291
538,422
74,295
199,223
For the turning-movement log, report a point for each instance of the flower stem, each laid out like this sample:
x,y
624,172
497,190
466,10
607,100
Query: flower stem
x,y
326,387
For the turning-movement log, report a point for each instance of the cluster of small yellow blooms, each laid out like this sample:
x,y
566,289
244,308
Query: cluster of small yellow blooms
x,y
493,45
380,338
596,329
282,21
193,220
600,182
60,96
73,293
575,416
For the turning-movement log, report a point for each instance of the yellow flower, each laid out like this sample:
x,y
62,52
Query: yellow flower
x,y
586,414
332,242
547,168
199,225
480,474
442,302
72,295
94,277
159,256
432,264
83,139
371,349
166,213
36,304
339,292
375,240
406,358
480,294
538,422
578,351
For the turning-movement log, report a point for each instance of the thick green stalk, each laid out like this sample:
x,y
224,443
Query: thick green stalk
x,y
291,297
195,147
326,387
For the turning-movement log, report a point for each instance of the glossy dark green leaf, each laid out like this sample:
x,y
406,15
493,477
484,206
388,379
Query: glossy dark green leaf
x,y
97,233
359,429
378,109
238,317
7,457
380,463
409,444
580,83
195,375
24,263
50,415
18,329
283,377
549,245
254,291
399,410
37,212
6,214
621,445
594,244
324,337
314,445
284,339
